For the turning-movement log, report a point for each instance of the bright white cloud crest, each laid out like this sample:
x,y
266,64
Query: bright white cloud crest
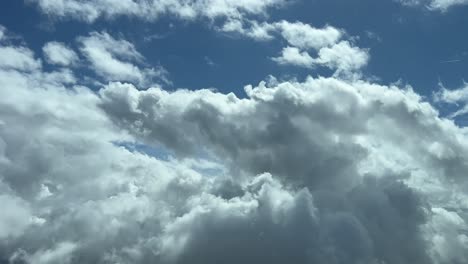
x,y
325,170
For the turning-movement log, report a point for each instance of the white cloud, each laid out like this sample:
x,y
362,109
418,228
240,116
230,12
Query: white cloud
x,y
453,96
293,56
118,60
58,53
255,30
343,57
153,9
305,37
440,5
18,58
446,4
457,97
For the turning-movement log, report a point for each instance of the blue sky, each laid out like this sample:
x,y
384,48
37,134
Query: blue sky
x,y
233,131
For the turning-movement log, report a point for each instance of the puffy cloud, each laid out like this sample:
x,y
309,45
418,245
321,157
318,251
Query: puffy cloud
x,y
293,56
324,170
343,57
308,130
153,9
18,58
58,53
332,52
118,60
451,239
304,36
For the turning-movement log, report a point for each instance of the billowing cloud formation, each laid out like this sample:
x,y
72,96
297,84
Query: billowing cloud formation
x,y
118,60
319,171
89,11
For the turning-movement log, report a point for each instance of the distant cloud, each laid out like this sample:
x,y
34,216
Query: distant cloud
x,y
440,5
332,52
457,97
152,10
209,61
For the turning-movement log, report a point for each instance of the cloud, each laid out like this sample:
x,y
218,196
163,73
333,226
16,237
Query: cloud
x,y
456,96
2,32
293,56
341,57
304,36
439,5
318,116
303,39
15,216
61,253
118,60
58,53
154,9
325,170
18,58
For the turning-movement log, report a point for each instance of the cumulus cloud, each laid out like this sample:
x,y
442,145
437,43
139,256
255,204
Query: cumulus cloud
x,y
341,57
305,36
58,53
293,56
324,170
327,43
118,60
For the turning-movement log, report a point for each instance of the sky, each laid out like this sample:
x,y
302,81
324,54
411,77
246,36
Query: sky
x,y
222,131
